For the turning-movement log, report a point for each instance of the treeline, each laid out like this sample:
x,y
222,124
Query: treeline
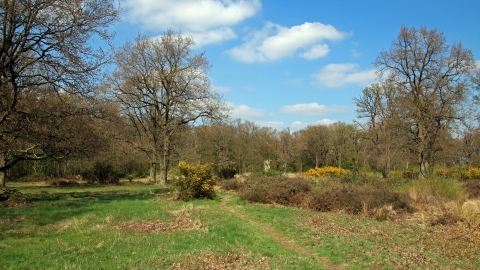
x,y
245,146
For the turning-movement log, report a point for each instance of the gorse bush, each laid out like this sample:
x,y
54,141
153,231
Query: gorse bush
x,y
326,171
471,173
447,172
195,182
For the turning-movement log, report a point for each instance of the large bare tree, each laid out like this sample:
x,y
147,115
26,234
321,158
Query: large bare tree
x,y
45,48
162,85
433,81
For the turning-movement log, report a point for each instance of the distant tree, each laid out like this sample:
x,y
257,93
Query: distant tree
x,y
432,80
45,47
316,141
383,127
345,145
286,147
162,87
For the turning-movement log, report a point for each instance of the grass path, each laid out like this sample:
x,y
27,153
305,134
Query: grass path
x,y
280,239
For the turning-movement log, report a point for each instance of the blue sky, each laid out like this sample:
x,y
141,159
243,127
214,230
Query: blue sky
x,y
291,63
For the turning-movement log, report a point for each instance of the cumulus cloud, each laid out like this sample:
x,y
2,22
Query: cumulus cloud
x,y
221,89
274,42
208,20
314,109
297,125
338,75
244,111
214,36
316,52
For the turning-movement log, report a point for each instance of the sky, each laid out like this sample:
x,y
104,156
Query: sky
x,y
293,63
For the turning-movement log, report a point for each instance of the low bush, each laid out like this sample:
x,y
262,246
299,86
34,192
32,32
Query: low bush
x,y
227,173
298,192
355,200
438,187
447,172
359,178
195,182
280,190
409,174
103,173
471,173
267,173
326,171
230,184
472,188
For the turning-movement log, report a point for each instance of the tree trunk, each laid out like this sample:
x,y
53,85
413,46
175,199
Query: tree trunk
x,y
153,172
316,160
165,160
2,173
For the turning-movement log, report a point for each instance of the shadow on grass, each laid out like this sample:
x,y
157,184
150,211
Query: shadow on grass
x,y
44,208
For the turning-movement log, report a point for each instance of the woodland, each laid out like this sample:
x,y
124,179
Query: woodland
x,y
69,109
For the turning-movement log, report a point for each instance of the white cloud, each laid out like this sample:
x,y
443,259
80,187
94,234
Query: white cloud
x,y
297,125
356,53
314,109
221,89
244,112
273,124
316,52
274,42
337,75
212,36
208,20
477,62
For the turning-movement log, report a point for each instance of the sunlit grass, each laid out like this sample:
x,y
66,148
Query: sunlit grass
x,y
141,227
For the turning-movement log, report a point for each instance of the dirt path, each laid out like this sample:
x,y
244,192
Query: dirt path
x,y
280,239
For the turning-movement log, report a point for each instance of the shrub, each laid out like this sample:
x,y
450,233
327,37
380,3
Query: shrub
x,y
438,187
471,173
230,184
472,188
103,173
409,174
447,172
195,182
359,178
355,200
227,173
267,173
326,171
280,190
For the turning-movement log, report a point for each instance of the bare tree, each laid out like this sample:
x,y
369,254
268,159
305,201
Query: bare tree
x,y
286,148
432,80
383,127
161,87
45,47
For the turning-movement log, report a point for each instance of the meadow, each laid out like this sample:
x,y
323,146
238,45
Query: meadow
x,y
141,226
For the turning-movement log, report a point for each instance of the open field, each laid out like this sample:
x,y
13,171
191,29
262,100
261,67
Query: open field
x,y
138,226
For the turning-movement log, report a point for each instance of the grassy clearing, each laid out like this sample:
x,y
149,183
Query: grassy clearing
x,y
141,227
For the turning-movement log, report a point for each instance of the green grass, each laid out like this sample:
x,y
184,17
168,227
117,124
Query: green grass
x,y
109,227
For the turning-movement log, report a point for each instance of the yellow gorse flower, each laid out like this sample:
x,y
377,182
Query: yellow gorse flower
x,y
325,171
